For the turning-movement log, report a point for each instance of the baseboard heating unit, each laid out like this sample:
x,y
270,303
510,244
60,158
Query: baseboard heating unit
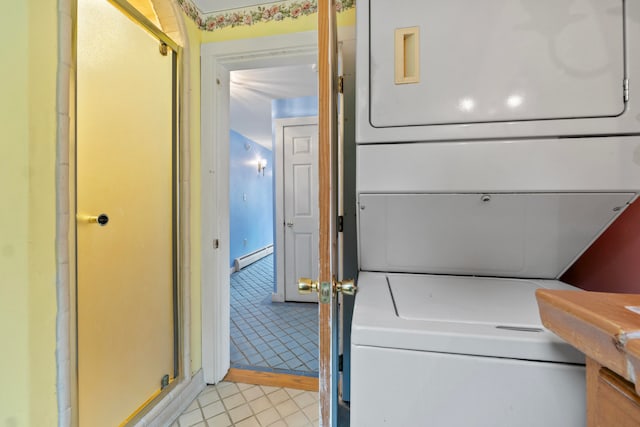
x,y
245,260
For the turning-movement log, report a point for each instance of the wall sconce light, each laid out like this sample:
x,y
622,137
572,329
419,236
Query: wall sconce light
x,y
262,164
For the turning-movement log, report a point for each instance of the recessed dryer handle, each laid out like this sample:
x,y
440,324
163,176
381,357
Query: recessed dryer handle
x,y
407,55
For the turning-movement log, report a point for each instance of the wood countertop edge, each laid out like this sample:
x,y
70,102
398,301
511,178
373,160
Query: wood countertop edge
x,y
602,310
583,320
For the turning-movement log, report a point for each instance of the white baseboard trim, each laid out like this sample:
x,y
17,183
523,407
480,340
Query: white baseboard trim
x,y
173,404
275,297
248,259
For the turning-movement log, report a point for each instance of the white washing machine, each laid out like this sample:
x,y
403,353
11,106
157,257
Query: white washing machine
x,y
446,331
497,139
451,351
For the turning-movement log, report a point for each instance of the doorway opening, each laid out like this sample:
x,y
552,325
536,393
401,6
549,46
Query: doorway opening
x,y
272,328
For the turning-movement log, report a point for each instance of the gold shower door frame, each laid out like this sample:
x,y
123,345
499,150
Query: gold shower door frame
x,y
127,168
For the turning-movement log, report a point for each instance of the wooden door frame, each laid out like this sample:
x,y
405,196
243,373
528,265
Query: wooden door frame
x,y
279,220
327,203
217,60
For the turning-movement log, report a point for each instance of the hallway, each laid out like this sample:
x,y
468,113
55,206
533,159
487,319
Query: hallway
x,y
270,336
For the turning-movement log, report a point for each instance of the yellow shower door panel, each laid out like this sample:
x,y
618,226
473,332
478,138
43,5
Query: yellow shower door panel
x,y
124,170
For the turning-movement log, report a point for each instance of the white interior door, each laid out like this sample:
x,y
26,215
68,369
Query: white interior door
x,y
300,208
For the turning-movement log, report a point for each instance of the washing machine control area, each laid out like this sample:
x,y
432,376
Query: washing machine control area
x,y
536,235
496,141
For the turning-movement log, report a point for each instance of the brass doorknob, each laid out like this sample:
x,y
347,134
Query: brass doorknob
x,y
307,286
347,287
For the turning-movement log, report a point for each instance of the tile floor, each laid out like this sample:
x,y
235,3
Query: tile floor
x,y
276,337
266,335
244,405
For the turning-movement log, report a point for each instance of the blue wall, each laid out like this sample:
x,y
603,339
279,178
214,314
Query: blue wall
x,y
294,107
250,220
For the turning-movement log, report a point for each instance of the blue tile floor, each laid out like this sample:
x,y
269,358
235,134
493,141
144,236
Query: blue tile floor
x,y
270,336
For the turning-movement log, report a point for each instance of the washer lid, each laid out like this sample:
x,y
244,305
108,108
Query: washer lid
x,y
498,302
489,317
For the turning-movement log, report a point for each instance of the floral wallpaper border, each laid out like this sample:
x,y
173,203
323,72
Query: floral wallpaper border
x,y
276,11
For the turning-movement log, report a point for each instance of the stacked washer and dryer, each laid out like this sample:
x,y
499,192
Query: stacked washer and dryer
x,y
497,139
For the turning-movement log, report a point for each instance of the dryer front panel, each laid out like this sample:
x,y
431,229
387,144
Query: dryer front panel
x,y
476,69
495,60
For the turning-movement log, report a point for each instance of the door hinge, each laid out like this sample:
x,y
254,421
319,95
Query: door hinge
x,y
340,84
340,363
340,224
626,90
164,382
216,243
164,49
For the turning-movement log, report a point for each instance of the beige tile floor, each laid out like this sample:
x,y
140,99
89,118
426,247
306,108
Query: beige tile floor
x,y
244,405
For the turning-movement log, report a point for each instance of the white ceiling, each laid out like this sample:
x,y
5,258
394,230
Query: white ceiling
x,y
210,6
253,90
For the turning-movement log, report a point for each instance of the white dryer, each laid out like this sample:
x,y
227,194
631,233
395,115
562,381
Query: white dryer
x,y
430,70
497,139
